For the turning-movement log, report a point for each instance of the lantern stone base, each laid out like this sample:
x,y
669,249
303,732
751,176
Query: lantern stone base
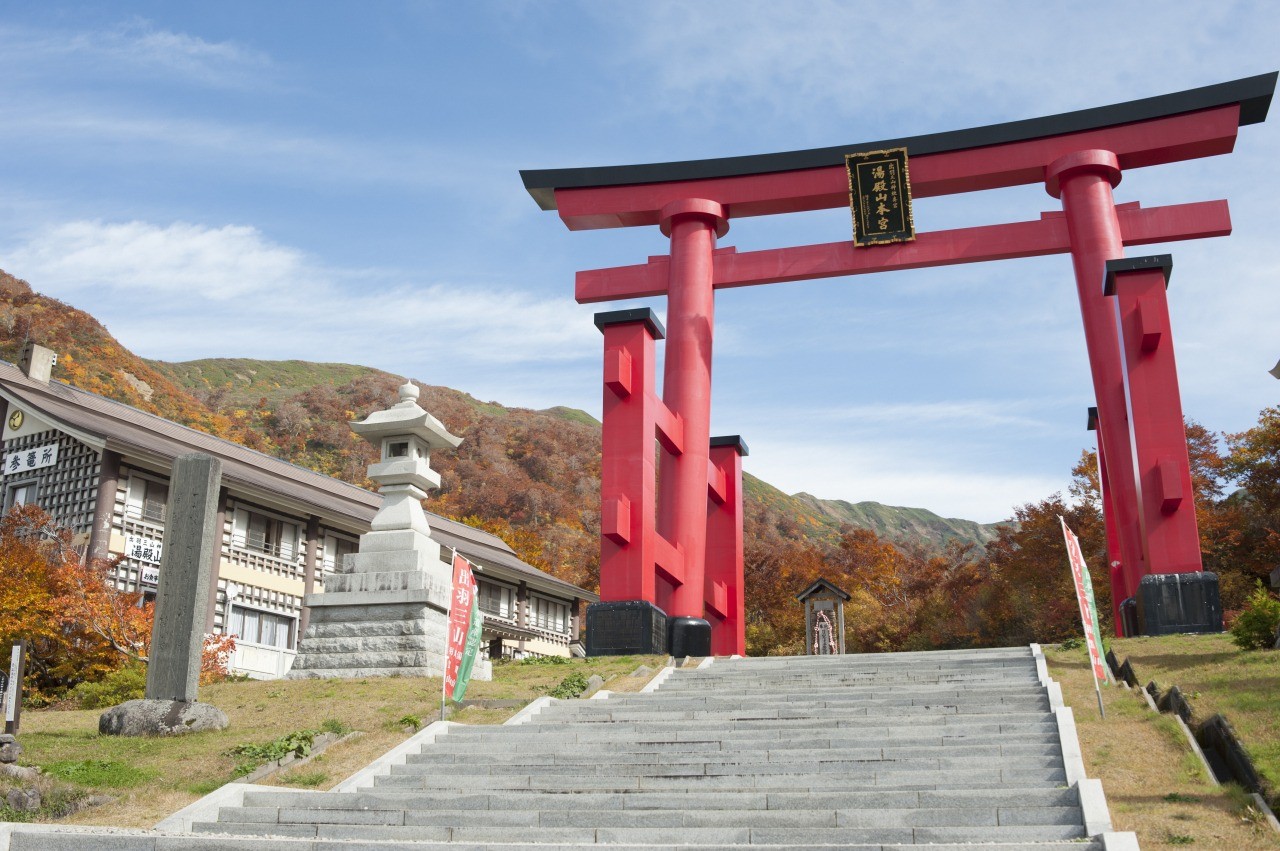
x,y
375,634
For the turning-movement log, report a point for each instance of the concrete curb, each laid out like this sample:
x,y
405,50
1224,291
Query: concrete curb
x,y
1093,803
658,680
526,714
1195,746
1069,739
395,756
1119,841
706,663
1042,673
206,809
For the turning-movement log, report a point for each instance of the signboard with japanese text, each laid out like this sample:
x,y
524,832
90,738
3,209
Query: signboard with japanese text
x,y
149,576
1088,608
880,197
138,548
26,460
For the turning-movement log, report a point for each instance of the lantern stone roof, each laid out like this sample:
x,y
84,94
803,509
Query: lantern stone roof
x,y
822,585
406,418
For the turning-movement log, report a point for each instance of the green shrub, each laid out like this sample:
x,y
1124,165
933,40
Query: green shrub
x,y
545,660
249,757
128,683
571,686
1255,627
336,726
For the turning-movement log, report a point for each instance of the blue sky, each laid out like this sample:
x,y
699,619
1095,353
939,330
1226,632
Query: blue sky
x,y
339,182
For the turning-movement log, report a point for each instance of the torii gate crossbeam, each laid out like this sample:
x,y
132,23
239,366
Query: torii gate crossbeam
x,y
1078,157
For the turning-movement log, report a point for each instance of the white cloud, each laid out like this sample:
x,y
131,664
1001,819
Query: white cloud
x,y
167,291
193,262
920,476
131,47
824,61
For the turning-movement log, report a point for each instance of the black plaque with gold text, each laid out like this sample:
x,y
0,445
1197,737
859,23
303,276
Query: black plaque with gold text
x,y
880,197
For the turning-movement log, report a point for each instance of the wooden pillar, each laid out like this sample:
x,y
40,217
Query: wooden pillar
x,y
104,505
309,571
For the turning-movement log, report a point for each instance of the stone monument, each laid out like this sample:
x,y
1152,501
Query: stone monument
x,y
385,612
177,637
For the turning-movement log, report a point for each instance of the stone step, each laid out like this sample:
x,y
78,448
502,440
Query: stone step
x,y
407,776
850,718
685,836
549,739
696,818
745,765
604,716
661,800
442,759
878,696
135,841
862,729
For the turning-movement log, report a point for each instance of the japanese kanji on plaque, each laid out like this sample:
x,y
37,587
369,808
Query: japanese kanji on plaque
x,y
880,197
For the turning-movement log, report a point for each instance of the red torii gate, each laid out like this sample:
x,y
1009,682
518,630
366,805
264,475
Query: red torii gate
x,y
684,558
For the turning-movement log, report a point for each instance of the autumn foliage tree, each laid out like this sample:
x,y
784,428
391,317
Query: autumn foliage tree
x,y
78,628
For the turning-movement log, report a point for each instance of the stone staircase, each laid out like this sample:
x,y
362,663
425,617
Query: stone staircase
x,y
946,750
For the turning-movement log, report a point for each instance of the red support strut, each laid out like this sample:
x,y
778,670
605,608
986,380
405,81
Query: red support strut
x,y
1164,470
725,563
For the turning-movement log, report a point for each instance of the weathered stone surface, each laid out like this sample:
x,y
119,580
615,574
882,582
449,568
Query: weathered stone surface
x,y
10,750
24,800
173,673
160,718
21,773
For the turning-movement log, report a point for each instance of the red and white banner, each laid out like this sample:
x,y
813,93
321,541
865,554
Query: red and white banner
x,y
462,606
1088,610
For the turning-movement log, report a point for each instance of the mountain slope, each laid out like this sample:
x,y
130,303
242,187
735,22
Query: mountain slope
x,y
901,524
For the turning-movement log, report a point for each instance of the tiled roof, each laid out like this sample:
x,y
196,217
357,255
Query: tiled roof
x,y
130,431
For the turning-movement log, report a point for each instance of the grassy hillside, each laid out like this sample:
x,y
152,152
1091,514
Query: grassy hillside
x,y
900,524
242,381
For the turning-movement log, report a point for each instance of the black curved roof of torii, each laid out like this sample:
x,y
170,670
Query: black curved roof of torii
x,y
1252,93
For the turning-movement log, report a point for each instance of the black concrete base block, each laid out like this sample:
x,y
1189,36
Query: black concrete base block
x,y
1170,603
626,628
1129,618
690,637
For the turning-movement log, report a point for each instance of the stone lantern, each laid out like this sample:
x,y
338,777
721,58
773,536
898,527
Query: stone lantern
x,y
404,434
386,611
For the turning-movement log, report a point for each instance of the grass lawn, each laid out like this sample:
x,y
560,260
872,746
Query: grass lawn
x,y
152,777
1154,784
1216,676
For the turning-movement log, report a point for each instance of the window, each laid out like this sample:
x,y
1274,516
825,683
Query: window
x,y
549,615
262,533
497,600
335,550
22,493
260,627
146,499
